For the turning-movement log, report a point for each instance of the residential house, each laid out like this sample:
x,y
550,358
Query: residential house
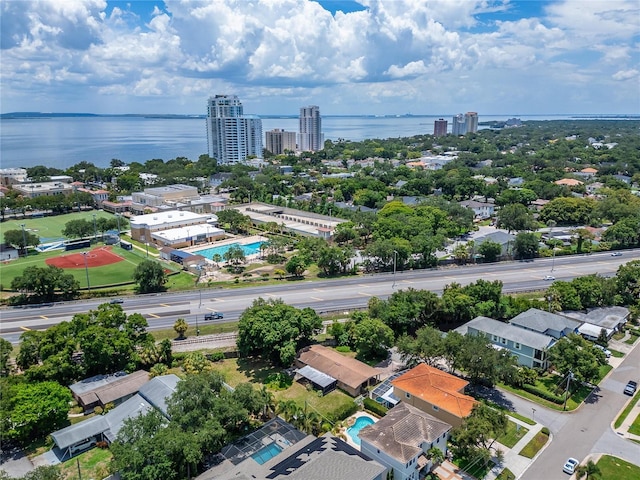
x,y
556,326
481,210
503,238
278,451
84,435
569,182
100,390
609,319
401,439
528,346
351,375
434,392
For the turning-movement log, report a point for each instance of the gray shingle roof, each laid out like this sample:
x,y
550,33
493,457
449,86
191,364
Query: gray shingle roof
x,y
401,432
541,321
158,390
511,332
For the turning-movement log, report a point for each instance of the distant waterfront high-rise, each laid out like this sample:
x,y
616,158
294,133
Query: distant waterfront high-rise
x,y
311,138
278,141
471,122
458,125
440,128
231,135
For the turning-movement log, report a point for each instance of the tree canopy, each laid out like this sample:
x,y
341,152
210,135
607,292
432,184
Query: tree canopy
x,y
150,277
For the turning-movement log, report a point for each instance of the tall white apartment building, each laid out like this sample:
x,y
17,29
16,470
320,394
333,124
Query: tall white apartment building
x,y
458,125
471,122
231,135
278,141
310,136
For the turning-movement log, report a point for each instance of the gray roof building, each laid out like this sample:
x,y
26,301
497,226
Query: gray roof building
x,y
151,395
402,432
513,333
551,324
604,317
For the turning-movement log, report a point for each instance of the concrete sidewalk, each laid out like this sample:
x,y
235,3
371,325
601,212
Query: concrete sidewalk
x,y
512,459
623,430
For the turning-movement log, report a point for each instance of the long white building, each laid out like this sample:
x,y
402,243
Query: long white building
x,y
231,135
310,136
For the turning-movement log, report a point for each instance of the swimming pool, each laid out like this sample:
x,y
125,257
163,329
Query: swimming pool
x,y
248,249
353,431
266,453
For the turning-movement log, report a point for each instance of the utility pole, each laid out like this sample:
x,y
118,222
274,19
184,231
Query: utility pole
x,y
394,268
566,394
86,269
24,240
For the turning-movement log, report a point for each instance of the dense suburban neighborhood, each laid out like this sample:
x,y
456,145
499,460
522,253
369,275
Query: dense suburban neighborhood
x,y
148,333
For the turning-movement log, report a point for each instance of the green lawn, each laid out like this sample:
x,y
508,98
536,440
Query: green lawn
x,y
513,435
120,272
93,464
51,227
613,468
635,426
627,409
534,446
506,475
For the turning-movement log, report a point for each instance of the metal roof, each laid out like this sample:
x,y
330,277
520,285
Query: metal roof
x,y
510,332
321,379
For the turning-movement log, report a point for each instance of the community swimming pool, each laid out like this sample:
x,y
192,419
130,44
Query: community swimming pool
x,y
248,249
353,431
266,453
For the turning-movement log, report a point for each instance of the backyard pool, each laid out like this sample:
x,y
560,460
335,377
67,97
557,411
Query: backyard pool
x,y
266,453
248,249
353,431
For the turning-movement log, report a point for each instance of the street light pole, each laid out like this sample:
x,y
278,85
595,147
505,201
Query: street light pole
x,y
86,269
566,394
394,269
95,231
24,240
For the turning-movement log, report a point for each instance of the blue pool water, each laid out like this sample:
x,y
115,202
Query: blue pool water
x,y
353,431
248,249
266,453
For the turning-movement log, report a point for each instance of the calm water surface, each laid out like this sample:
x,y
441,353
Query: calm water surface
x,y
63,142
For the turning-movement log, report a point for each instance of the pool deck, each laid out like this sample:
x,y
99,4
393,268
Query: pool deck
x,y
228,241
355,417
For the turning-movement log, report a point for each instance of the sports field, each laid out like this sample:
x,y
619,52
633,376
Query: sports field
x,y
50,227
101,274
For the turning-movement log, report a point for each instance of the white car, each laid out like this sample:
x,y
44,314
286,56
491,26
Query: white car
x,y
549,277
607,352
616,254
570,466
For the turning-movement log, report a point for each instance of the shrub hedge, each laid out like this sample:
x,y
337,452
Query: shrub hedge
x,y
539,392
375,407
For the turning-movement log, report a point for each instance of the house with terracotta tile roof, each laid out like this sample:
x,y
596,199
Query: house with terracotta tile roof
x,y
401,439
435,392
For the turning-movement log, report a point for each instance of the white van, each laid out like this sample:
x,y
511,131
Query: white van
x,y
87,444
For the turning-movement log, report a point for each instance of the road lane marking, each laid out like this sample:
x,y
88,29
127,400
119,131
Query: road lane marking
x,y
153,315
42,316
164,305
365,294
364,285
318,299
26,329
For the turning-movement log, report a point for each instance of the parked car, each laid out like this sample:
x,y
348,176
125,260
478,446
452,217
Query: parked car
x,y
607,353
549,277
213,315
116,300
616,254
631,388
570,466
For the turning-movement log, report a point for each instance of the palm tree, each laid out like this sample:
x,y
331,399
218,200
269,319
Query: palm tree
x,y
287,409
269,402
591,470
181,326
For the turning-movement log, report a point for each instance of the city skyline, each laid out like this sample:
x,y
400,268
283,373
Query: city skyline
x,y
364,57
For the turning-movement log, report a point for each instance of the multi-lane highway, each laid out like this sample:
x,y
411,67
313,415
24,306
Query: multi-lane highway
x,y
162,310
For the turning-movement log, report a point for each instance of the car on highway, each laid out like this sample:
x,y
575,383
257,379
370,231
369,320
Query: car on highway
x,y
213,316
116,300
570,466
616,254
607,352
549,277
631,388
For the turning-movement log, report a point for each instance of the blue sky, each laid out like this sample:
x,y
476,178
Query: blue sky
x,y
435,57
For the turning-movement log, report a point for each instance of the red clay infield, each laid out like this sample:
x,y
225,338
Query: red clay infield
x,y
95,258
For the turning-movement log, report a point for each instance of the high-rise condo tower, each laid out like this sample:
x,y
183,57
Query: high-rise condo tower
x,y
310,136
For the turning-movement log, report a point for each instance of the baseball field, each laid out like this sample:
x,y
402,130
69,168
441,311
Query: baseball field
x,y
50,227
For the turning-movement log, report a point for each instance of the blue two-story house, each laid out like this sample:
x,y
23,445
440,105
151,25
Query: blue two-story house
x,y
528,346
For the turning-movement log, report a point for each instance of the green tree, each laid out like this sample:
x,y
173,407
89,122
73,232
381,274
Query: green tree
x,y
21,239
526,245
5,352
427,346
150,277
474,439
296,266
587,471
516,217
181,326
274,330
42,283
405,311
372,337
79,228
233,220
564,296
490,250
235,256
37,409
576,355
628,282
